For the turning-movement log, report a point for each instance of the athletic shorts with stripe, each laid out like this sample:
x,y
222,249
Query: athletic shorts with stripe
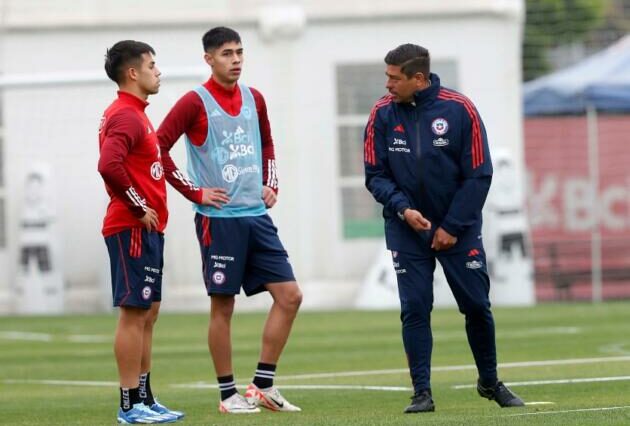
x,y
241,252
136,259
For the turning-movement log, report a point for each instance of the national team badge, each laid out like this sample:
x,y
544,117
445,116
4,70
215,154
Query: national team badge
x,y
146,293
157,171
218,277
439,126
247,113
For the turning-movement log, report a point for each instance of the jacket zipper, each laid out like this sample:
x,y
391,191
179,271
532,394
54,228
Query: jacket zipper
x,y
425,235
418,149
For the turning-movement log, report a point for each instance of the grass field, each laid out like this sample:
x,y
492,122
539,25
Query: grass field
x,y
44,360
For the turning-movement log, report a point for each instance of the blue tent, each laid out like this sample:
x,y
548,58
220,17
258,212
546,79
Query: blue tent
x,y
601,81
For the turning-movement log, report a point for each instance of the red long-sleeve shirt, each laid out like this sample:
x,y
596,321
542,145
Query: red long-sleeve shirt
x,y
188,116
130,164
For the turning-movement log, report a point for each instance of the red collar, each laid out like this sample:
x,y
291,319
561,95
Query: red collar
x,y
132,100
217,88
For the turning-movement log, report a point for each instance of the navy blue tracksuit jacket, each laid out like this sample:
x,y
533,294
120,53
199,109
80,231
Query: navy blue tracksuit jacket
x,y
430,155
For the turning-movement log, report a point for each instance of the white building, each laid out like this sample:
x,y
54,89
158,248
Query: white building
x,y
319,64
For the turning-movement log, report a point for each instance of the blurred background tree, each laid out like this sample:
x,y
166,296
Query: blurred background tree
x,y
555,29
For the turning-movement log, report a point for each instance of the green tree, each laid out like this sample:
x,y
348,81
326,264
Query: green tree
x,y
552,23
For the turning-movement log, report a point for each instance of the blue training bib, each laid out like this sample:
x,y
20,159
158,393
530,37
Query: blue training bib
x,y
229,158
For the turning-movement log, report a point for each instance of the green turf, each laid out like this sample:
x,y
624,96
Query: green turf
x,y
327,342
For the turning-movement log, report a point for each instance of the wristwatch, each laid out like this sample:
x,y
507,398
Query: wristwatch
x,y
401,214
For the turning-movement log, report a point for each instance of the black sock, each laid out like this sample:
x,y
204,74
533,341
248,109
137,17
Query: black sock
x,y
227,386
488,384
265,373
145,389
129,397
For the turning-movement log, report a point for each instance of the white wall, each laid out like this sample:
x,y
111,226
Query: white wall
x,y
59,125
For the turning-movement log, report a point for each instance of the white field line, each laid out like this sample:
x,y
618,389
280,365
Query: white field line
x,y
522,364
86,338
515,334
23,335
89,338
367,373
615,349
47,337
579,410
539,403
59,382
204,385
555,382
538,332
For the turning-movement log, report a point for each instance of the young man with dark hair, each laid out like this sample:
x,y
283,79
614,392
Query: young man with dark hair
x,y
131,166
427,161
229,146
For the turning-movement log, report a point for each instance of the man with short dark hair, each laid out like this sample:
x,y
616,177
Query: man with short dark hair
x,y
229,146
427,162
131,166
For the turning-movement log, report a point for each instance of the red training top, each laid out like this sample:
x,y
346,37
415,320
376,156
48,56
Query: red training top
x,y
130,164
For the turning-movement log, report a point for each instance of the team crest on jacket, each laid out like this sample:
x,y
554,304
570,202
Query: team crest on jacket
x,y
439,126
156,170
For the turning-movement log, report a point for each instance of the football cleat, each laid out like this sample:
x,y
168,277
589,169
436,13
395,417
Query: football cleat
x,y
141,414
269,398
237,404
501,394
421,403
161,409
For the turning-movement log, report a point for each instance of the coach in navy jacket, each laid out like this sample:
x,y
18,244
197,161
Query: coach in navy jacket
x,y
431,155
427,162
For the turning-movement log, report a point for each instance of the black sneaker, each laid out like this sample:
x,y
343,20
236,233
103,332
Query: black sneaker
x,y
421,403
501,394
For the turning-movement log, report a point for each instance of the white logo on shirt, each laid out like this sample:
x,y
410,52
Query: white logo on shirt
x,y
240,150
247,113
239,136
221,155
230,173
157,171
474,264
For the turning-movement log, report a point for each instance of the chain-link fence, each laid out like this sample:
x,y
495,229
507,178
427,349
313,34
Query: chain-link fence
x,y
559,33
576,137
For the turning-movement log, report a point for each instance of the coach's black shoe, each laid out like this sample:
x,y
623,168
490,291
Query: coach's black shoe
x,y
421,403
501,394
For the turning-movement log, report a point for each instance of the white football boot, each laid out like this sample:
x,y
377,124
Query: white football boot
x,y
237,404
269,398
